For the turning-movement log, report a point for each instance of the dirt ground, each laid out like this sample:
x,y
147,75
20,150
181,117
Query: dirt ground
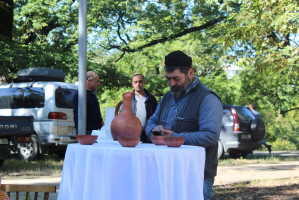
x,y
246,173
278,189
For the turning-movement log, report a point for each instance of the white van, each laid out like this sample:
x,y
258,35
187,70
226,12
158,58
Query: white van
x,y
43,95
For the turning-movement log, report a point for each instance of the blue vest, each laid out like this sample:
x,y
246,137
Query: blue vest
x,y
187,119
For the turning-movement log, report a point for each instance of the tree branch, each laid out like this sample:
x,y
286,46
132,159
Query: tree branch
x,y
184,32
285,111
122,55
119,28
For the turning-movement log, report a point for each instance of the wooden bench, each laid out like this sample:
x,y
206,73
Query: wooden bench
x,y
27,189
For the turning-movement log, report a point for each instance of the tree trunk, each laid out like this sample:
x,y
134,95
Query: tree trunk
x,y
6,18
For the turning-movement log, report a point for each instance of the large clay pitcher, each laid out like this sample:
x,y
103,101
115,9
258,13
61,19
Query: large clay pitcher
x,y
125,123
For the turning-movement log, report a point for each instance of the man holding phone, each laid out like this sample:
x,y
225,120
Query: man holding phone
x,y
191,110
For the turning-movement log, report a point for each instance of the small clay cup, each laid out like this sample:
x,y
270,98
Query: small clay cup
x,y
158,139
86,139
173,141
128,141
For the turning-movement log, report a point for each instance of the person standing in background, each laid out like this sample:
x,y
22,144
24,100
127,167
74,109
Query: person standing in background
x,y
94,120
257,115
144,104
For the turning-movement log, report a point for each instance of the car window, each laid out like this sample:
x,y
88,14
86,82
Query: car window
x,y
244,113
64,97
227,115
14,98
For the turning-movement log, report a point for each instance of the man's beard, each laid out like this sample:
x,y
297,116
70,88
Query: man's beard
x,y
179,91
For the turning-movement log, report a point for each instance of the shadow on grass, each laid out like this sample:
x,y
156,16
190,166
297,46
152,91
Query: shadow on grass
x,y
249,191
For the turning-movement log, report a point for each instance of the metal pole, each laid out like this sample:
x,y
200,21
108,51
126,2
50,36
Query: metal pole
x,y
82,68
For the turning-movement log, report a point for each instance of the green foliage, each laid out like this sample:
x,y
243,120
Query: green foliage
x,y
130,26
271,88
281,127
265,32
227,89
281,144
44,36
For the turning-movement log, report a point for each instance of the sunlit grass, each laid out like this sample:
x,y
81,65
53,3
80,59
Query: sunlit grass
x,y
45,166
271,182
252,159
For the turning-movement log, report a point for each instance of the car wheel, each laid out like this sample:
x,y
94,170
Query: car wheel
x,y
235,154
59,151
244,154
30,150
220,150
257,129
1,162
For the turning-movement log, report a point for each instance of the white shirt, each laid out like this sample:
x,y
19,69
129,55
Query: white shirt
x,y
140,109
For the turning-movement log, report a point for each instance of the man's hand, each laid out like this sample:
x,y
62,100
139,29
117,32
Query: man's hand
x,y
166,131
161,129
157,128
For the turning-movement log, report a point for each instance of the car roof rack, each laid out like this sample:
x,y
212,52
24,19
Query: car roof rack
x,y
40,74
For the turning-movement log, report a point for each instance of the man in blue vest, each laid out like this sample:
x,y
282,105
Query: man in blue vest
x,y
191,110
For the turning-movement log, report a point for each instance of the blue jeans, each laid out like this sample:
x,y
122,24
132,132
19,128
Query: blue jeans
x,y
207,188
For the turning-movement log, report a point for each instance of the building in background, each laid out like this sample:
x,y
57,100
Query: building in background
x,y
231,70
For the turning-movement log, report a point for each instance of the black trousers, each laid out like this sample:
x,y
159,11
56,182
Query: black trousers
x,y
144,139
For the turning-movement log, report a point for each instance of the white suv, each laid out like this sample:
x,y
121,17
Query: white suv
x,y
50,104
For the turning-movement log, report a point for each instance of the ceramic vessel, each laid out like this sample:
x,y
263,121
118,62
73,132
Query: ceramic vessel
x,y
173,141
128,141
125,123
86,139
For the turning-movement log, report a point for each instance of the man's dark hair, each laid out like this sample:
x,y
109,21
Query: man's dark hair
x,y
137,75
172,68
178,60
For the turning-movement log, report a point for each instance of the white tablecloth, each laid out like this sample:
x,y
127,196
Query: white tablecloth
x,y
108,171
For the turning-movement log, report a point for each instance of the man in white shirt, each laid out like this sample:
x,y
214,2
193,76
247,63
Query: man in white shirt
x,y
144,104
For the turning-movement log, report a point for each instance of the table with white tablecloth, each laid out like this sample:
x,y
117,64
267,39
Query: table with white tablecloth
x,y
108,171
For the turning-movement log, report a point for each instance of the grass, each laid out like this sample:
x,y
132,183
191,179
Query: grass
x,y
45,166
253,159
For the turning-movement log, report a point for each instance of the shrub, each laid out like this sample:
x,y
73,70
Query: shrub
x,y
283,144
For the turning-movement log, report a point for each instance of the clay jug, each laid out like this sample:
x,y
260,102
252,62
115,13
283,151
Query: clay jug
x,y
125,123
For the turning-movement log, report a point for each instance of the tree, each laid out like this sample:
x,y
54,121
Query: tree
x,y
6,25
46,30
131,26
6,19
269,29
44,35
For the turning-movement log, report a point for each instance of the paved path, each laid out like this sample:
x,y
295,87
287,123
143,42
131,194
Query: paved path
x,y
245,173
226,174
251,172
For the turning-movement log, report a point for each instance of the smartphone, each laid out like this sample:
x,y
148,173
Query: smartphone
x,y
156,133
